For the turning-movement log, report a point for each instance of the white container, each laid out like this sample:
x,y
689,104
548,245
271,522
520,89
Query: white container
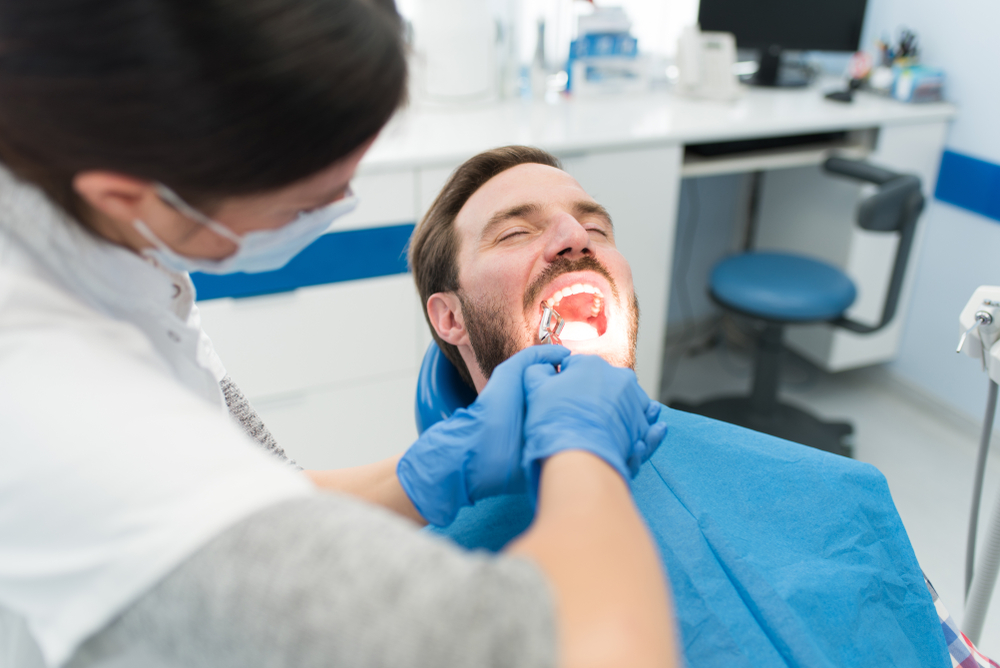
x,y
706,61
454,43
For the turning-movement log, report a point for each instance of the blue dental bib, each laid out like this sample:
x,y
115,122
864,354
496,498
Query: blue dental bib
x,y
777,554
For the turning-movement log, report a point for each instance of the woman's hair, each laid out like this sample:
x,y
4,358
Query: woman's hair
x,y
433,251
214,98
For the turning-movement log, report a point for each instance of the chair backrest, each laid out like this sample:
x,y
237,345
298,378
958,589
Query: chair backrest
x,y
895,207
440,389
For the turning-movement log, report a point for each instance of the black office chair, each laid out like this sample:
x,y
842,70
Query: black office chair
x,y
782,288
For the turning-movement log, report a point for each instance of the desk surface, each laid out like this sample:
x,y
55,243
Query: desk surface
x,y
443,137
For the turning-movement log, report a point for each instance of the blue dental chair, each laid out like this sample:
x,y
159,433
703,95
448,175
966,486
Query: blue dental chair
x,y
440,389
780,289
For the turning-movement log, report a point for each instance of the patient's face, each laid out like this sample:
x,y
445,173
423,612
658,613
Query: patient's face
x,y
532,236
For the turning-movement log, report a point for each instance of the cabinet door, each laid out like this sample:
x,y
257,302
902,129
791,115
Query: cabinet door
x,y
348,425
315,337
430,181
639,188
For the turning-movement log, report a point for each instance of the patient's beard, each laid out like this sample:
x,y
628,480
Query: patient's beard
x,y
492,335
633,335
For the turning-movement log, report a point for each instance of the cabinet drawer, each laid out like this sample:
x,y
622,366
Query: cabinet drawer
x,y
386,198
316,337
351,425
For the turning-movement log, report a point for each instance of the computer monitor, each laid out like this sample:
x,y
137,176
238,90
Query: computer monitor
x,y
772,26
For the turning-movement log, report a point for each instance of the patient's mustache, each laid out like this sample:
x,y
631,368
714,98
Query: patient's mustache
x,y
562,266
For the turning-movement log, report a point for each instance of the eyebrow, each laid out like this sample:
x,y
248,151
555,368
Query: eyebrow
x,y
523,210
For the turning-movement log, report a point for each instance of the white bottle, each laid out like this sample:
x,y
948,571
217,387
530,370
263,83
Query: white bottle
x,y
455,45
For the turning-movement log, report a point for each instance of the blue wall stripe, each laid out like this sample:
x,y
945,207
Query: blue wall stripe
x,y
970,183
333,258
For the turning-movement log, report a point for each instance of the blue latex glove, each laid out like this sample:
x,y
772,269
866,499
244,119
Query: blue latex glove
x,y
476,453
589,405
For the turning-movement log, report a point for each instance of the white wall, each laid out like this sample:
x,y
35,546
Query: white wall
x,y
960,251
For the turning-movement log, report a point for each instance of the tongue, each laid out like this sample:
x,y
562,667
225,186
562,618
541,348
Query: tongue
x,y
578,331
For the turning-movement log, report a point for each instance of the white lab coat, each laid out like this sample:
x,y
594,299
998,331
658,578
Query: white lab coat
x,y
117,455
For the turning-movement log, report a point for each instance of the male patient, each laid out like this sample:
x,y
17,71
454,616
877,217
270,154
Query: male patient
x,y
778,555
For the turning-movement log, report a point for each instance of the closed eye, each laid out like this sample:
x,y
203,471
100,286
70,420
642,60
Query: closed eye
x,y
510,234
601,227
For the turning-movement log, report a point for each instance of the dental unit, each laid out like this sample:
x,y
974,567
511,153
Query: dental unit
x,y
979,323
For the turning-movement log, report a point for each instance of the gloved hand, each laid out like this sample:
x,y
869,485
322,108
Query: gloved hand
x,y
589,405
476,453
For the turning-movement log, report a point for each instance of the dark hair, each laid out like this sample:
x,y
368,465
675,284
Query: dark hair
x,y
212,97
434,246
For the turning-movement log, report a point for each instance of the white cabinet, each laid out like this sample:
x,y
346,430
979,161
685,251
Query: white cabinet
x,y
345,425
332,368
429,180
384,198
316,336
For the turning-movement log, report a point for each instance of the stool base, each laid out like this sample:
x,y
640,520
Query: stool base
x,y
785,421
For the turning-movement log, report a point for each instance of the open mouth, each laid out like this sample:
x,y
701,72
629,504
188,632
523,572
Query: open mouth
x,y
582,307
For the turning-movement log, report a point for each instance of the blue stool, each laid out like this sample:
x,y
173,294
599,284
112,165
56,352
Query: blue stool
x,y
781,288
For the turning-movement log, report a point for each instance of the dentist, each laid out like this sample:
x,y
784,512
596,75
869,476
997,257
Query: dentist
x,y
147,517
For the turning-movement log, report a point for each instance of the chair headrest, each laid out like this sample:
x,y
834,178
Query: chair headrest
x,y
440,389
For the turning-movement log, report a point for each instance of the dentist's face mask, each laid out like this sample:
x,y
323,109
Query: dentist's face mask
x,y
257,251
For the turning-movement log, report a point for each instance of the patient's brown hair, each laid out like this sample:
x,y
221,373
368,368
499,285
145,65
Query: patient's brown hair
x,y
433,248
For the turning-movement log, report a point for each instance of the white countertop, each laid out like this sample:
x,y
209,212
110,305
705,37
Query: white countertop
x,y
443,137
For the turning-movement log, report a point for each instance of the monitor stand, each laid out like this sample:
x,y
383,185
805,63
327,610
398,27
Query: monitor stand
x,y
771,73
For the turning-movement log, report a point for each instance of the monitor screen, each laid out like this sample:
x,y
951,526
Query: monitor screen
x,y
800,25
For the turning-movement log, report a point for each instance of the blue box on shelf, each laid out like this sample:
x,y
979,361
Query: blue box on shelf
x,y
917,83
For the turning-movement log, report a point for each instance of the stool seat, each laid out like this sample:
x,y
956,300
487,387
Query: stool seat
x,y
782,287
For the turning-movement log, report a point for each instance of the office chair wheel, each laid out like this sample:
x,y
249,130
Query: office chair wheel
x,y
784,421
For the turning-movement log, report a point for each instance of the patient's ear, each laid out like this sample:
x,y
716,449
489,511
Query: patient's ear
x,y
445,313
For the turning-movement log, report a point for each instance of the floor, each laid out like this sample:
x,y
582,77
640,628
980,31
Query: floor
x,y
927,455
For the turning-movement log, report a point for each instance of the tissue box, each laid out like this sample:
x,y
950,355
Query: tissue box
x,y
918,84
606,63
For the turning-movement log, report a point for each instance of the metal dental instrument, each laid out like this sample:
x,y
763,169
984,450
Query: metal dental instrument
x,y
551,325
982,318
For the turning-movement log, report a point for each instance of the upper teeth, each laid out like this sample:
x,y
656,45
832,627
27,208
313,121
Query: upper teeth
x,y
575,289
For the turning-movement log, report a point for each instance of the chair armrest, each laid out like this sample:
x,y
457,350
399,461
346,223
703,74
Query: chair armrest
x,y
895,207
860,170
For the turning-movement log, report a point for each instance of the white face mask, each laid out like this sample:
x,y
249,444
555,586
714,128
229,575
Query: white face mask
x,y
257,251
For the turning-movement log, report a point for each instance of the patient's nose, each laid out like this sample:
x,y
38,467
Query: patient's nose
x,y
567,238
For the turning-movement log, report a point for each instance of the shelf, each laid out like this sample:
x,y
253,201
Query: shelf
x,y
858,144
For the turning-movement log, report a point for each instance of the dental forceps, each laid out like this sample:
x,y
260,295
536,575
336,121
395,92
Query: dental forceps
x,y
550,326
